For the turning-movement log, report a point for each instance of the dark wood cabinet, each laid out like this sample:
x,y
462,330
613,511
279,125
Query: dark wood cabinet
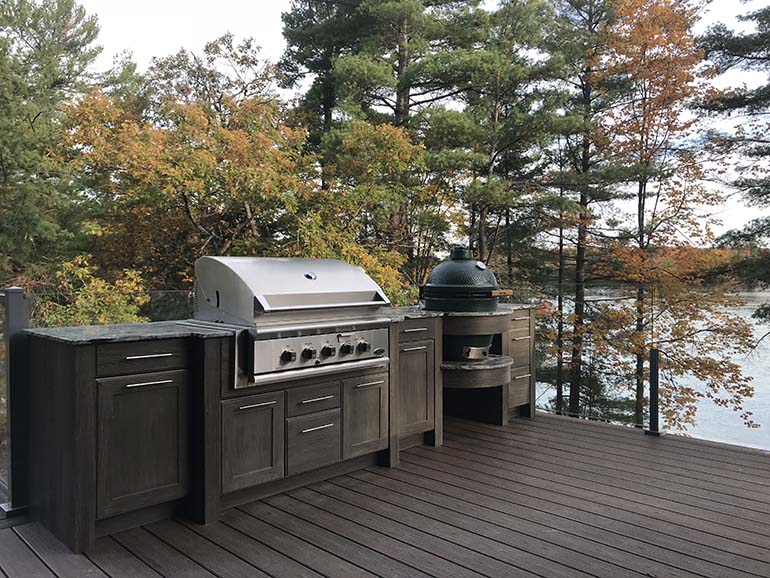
x,y
142,441
365,415
252,440
417,381
312,441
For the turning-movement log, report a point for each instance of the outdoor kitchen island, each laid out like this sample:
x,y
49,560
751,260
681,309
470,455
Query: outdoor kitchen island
x,y
136,423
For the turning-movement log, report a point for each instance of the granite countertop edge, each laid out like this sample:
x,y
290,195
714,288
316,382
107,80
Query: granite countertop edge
x,y
94,334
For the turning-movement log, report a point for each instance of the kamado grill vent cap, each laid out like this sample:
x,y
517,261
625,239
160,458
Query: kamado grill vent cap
x,y
461,284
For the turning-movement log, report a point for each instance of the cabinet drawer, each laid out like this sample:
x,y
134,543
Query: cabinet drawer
x,y
312,441
520,320
141,356
416,329
520,348
518,390
312,398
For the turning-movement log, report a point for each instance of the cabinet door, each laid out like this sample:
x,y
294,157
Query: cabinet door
x,y
142,442
252,440
365,415
416,383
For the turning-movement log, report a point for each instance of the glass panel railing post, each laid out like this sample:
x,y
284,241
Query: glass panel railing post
x,y
654,428
16,398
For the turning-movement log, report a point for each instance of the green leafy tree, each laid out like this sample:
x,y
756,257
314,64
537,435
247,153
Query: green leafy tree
x,y
46,47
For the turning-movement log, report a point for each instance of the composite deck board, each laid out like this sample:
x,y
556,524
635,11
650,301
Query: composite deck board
x,y
757,463
717,511
488,515
17,560
522,498
479,536
256,553
551,497
117,562
737,475
629,468
60,559
589,497
209,555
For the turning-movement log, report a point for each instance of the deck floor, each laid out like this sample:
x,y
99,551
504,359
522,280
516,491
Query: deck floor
x,y
552,498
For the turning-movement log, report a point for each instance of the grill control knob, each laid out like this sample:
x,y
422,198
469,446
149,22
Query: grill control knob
x,y
309,353
328,351
363,346
347,348
288,355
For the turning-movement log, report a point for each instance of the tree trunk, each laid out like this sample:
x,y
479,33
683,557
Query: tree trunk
x,y
640,353
560,320
483,248
508,249
576,361
402,88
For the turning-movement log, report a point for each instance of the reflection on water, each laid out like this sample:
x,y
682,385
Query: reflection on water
x,y
721,424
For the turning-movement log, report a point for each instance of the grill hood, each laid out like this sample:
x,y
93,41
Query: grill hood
x,y
248,290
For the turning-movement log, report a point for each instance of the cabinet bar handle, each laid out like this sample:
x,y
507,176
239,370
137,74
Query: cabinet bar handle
x,y
308,430
162,381
414,330
421,347
520,338
324,398
368,383
263,404
523,376
149,356
520,318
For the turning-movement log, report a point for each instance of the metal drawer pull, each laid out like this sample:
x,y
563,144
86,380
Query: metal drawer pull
x,y
520,338
415,330
420,348
308,430
523,376
150,356
161,382
368,383
324,398
263,404
520,318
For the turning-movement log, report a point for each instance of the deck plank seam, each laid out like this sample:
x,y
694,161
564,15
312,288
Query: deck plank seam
x,y
618,498
547,528
450,444
481,536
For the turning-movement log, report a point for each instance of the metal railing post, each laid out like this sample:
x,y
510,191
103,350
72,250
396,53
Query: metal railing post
x,y
654,428
16,351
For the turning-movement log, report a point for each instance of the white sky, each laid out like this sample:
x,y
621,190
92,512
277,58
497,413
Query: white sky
x,y
148,28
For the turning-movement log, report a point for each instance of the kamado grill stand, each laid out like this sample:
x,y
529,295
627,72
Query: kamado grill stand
x,y
476,375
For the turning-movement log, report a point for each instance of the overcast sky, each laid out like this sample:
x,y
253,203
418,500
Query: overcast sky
x,y
148,28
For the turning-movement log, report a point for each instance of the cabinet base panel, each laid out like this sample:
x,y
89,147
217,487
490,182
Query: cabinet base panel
x,y
137,518
286,484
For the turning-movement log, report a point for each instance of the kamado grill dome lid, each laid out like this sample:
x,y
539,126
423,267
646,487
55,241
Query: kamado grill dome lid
x,y
460,284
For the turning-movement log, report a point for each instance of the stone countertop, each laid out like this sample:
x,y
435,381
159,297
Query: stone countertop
x,y
82,335
417,312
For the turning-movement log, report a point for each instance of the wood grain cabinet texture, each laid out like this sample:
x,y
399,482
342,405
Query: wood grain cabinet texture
x,y
417,381
252,440
142,440
365,415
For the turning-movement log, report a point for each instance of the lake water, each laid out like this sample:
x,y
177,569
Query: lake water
x,y
722,424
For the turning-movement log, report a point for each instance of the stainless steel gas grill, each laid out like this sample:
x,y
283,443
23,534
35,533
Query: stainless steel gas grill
x,y
294,318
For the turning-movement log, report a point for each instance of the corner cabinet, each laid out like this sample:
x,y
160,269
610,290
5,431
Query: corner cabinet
x,y
113,428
